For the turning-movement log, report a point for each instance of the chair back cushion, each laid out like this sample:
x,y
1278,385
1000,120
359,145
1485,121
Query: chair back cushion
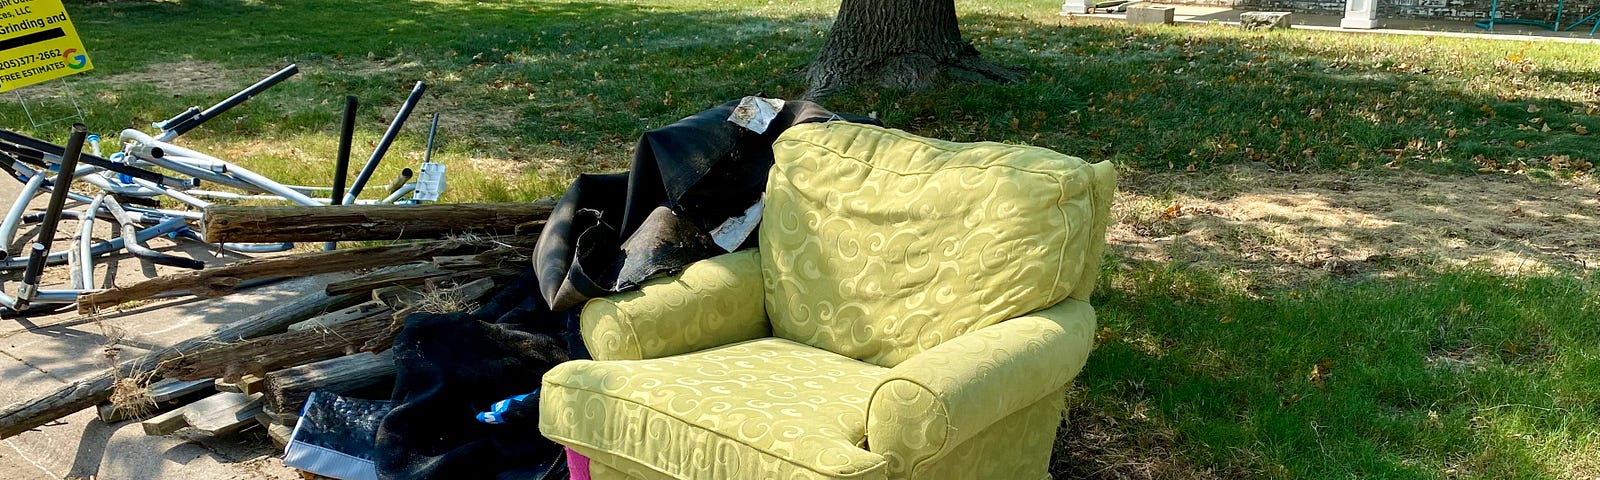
x,y
877,244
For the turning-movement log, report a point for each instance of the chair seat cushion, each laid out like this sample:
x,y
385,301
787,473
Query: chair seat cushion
x,y
766,408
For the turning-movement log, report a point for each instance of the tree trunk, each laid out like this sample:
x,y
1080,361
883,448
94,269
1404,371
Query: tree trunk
x,y
898,44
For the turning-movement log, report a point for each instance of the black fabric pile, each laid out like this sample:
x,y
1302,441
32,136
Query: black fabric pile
x,y
608,233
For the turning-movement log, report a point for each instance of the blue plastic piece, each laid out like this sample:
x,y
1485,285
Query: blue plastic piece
x,y
496,413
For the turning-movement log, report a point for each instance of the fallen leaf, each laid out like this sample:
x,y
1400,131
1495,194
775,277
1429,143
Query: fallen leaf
x,y
1533,108
1227,319
1174,211
1582,130
1520,144
1546,128
1536,120
1320,372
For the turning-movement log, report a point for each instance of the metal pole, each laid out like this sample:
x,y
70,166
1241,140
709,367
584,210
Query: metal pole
x,y
52,215
383,143
172,131
341,163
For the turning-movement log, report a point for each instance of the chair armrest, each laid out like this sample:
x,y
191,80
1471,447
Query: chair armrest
x,y
937,399
714,302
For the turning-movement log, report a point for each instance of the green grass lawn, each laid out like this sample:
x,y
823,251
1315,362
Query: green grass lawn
x,y
1423,372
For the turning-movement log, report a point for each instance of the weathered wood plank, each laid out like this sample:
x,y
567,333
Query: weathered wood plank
x,y
295,223
221,280
288,389
223,413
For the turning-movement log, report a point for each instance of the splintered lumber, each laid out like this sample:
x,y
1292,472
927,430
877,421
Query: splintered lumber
x,y
420,273
277,432
223,413
401,298
165,424
252,384
355,312
246,384
235,223
161,395
84,393
273,352
288,389
283,350
221,280
410,274
219,414
168,389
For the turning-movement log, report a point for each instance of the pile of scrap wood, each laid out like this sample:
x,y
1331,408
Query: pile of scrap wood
x,y
259,370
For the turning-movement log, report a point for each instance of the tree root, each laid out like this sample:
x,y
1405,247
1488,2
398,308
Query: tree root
x,y
908,71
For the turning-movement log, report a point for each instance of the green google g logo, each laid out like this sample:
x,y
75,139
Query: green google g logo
x,y
75,61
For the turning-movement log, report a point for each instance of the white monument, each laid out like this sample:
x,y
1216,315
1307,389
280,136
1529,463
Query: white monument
x,y
1360,14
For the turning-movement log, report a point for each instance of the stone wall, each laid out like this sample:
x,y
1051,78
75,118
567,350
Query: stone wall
x,y
1544,10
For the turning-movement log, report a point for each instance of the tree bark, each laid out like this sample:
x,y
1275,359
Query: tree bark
x,y
296,223
903,44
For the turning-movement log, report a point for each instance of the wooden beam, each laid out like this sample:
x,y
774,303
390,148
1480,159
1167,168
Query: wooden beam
x,y
223,413
355,312
408,274
221,280
296,223
84,393
288,389
273,352
165,424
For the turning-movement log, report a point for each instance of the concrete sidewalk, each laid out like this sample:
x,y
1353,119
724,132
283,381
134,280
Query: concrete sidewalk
x,y
1393,26
40,353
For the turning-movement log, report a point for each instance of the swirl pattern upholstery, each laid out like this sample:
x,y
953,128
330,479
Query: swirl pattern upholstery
x,y
713,302
915,309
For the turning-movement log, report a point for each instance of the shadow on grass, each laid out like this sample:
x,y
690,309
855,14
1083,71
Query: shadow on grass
x,y
583,79
1463,374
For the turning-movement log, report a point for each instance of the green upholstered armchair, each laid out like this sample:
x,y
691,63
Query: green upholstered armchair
x,y
915,310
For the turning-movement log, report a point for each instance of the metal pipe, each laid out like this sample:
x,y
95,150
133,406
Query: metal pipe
x,y
172,131
168,226
400,180
176,195
187,114
341,161
8,229
86,241
42,150
236,171
52,214
383,143
240,247
130,235
400,192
